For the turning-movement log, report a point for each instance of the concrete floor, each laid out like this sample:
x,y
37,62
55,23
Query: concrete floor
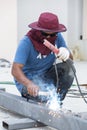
x,y
71,102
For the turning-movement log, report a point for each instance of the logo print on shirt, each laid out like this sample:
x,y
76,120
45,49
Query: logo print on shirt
x,y
41,56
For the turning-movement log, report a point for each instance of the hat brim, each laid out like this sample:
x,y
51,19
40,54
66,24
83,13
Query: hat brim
x,y
61,28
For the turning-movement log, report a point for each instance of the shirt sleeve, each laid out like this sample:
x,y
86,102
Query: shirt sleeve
x,y
60,41
22,51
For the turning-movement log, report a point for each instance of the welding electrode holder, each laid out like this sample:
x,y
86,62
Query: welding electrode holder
x,y
56,51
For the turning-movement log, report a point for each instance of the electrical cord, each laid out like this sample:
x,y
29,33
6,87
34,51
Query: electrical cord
x,y
56,74
69,62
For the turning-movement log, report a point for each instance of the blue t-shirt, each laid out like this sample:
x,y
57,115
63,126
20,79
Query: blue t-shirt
x,y
34,63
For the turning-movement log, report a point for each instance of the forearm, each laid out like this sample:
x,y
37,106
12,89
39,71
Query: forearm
x,y
19,75
21,78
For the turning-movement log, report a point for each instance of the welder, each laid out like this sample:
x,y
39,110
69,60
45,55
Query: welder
x,y
33,67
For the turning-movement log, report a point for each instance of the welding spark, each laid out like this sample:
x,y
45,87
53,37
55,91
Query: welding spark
x,y
53,103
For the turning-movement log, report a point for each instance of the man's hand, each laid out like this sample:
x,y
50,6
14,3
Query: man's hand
x,y
33,89
63,53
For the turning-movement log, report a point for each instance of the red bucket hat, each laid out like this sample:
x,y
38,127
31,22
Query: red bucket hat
x,y
48,22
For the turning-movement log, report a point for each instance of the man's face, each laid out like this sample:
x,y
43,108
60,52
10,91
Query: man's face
x,y
49,34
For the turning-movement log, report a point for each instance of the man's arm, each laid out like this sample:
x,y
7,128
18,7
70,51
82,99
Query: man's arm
x,y
20,77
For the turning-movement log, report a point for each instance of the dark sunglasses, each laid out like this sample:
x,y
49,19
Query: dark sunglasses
x,y
46,34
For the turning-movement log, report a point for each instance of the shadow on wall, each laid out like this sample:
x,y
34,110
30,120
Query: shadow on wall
x,y
79,50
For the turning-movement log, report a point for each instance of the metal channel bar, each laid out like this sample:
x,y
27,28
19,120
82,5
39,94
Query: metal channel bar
x,y
13,124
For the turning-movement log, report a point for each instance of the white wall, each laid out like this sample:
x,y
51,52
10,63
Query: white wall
x,y
29,11
77,25
75,9
8,28
85,19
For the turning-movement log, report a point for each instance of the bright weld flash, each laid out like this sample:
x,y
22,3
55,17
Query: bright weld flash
x,y
53,103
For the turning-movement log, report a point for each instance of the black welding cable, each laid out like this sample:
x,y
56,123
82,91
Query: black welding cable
x,y
69,62
56,71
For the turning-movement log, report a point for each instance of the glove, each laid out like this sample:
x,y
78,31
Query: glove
x,y
63,54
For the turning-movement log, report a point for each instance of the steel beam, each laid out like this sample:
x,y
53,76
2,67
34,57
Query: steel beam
x,y
56,119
